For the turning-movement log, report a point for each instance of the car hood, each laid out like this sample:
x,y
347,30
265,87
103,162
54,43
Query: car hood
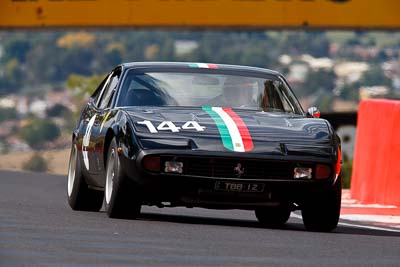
x,y
268,132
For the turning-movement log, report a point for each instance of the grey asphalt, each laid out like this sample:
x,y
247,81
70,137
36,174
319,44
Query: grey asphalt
x,y
37,228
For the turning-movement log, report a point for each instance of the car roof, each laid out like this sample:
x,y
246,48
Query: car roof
x,y
191,65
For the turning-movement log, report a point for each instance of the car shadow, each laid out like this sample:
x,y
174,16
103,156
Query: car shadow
x,y
290,226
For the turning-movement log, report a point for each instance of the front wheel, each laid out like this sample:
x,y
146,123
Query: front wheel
x,y
323,211
80,196
121,198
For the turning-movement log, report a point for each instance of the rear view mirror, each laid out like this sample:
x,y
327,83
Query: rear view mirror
x,y
205,80
313,112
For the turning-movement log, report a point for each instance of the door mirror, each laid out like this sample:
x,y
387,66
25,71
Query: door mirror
x,y
91,102
313,112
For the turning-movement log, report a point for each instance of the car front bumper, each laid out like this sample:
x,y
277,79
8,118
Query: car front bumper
x,y
201,191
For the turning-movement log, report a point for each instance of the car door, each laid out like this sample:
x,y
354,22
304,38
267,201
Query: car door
x,y
98,131
87,122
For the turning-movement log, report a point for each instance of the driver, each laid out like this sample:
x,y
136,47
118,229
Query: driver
x,y
236,92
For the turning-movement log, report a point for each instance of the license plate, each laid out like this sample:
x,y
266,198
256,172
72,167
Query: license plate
x,y
239,187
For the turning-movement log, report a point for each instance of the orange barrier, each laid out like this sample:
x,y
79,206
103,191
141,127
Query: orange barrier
x,y
376,165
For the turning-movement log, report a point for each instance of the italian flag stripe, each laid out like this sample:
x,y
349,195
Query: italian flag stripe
x,y
234,133
212,66
203,66
244,132
223,130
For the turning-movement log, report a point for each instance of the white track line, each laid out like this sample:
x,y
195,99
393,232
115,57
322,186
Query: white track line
x,y
356,225
389,219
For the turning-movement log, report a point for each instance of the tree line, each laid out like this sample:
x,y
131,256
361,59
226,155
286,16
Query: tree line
x,y
33,58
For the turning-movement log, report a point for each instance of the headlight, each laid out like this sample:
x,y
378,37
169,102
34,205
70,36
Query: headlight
x,y
173,166
302,173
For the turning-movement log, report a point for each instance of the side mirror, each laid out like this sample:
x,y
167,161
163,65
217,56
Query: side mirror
x,y
313,112
91,102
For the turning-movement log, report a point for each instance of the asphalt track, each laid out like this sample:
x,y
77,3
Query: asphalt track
x,y
37,228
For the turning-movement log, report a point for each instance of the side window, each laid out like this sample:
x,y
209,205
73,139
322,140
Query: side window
x,y
99,91
275,99
288,107
283,104
110,89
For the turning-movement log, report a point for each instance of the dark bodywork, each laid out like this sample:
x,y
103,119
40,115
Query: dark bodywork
x,y
281,142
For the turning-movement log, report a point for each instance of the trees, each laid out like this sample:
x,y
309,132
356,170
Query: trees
x,y
31,59
58,110
320,80
83,86
375,76
7,114
36,164
38,132
12,77
17,49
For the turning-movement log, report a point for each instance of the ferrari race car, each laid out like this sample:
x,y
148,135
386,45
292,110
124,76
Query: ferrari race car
x,y
204,135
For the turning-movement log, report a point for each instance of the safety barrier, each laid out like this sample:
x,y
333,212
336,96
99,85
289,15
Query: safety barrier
x,y
376,165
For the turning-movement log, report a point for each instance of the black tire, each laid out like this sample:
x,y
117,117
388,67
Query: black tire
x,y
322,212
120,195
273,216
80,197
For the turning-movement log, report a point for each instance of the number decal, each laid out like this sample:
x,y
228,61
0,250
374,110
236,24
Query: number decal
x,y
193,125
149,125
170,126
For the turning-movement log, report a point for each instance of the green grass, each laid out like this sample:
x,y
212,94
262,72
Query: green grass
x,y
346,173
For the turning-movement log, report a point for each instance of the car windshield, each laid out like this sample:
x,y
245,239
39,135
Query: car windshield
x,y
207,89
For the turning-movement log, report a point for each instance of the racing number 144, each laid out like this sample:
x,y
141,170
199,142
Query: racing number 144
x,y
170,126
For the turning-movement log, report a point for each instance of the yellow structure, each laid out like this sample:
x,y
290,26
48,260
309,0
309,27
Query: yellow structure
x,y
368,14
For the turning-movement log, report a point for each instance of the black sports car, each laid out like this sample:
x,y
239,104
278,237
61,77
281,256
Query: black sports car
x,y
204,135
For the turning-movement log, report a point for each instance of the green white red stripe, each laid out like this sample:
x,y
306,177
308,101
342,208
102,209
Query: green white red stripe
x,y
203,65
233,131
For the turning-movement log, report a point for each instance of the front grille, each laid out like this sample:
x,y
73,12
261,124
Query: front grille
x,y
225,167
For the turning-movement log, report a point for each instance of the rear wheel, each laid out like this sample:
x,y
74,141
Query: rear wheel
x,y
273,216
322,212
80,196
121,198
